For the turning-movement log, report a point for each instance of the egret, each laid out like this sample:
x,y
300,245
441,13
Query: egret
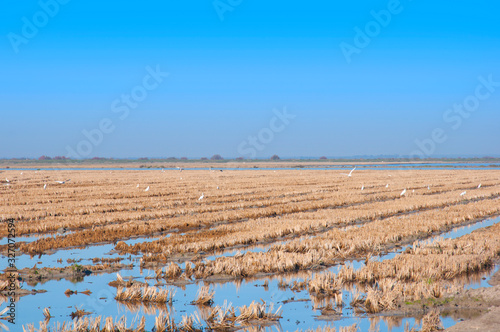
x,y
428,187
350,173
479,186
387,185
463,193
403,192
137,186
147,189
217,187
63,182
201,197
7,180
44,186
362,187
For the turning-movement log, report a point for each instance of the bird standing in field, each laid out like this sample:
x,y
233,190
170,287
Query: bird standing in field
x,y
403,192
463,193
362,188
63,182
44,186
479,186
201,197
147,189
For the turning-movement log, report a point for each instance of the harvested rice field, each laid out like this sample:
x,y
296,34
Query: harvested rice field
x,y
210,248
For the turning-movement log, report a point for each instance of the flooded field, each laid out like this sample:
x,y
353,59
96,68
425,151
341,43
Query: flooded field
x,y
246,249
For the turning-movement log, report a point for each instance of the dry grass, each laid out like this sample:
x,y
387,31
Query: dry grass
x,y
351,328
429,270
304,220
223,317
204,296
100,207
163,323
258,311
139,293
431,322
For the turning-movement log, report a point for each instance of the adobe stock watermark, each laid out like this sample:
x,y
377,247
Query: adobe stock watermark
x,y
223,6
277,124
122,107
455,116
31,26
372,29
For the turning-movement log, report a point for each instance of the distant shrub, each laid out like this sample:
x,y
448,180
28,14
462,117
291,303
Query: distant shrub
x,y
322,158
275,157
216,157
184,158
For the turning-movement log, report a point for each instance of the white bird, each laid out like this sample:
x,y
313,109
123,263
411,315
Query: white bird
x,y
217,187
428,187
147,189
463,193
350,173
63,182
363,187
387,185
137,186
403,192
413,191
7,180
201,197
479,186
44,186
162,170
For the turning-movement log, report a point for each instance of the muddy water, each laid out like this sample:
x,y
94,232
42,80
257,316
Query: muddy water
x,y
296,315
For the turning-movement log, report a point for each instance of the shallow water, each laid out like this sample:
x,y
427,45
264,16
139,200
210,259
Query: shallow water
x,y
296,315
382,166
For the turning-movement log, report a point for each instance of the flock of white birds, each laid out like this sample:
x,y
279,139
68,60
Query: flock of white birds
x,y
211,170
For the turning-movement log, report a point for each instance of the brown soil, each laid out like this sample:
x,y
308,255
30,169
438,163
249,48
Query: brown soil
x,y
33,276
486,298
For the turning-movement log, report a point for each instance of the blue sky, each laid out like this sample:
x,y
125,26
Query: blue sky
x,y
228,77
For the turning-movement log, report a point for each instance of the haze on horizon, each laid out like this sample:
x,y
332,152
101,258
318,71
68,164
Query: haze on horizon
x,y
249,79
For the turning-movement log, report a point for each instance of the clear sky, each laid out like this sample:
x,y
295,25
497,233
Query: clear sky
x,y
249,78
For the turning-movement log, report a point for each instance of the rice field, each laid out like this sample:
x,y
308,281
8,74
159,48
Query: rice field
x,y
224,249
